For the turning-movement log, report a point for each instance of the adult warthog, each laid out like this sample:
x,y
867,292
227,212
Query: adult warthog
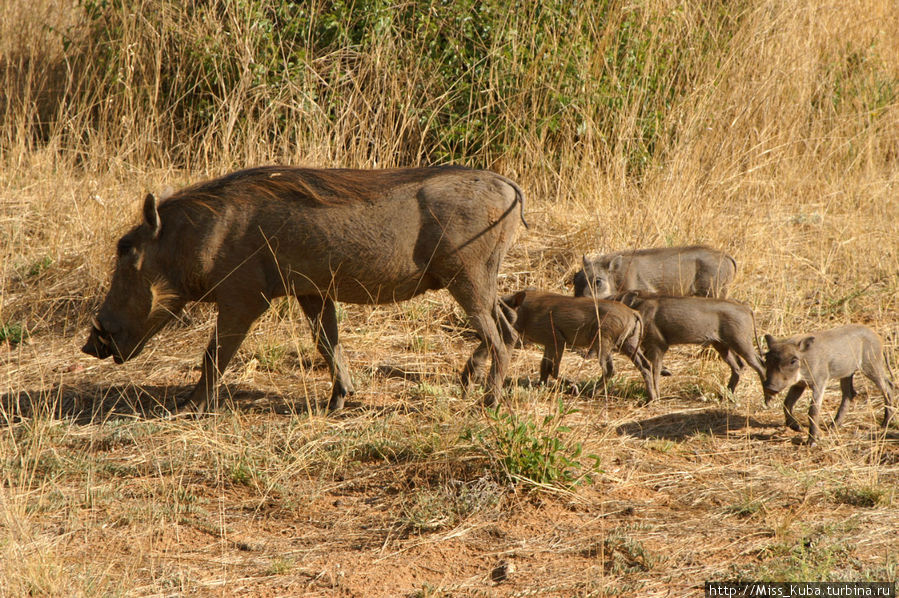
x,y
359,236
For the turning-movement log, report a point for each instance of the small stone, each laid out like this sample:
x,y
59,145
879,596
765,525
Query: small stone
x,y
502,571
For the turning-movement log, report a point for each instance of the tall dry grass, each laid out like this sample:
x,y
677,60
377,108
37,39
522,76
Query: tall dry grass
x,y
767,128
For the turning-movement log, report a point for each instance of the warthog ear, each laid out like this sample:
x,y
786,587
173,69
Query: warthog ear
x,y
151,214
631,298
615,264
806,342
584,262
769,340
517,299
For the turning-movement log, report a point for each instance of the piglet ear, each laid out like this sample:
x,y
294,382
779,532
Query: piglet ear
x,y
630,298
151,214
584,262
806,342
517,299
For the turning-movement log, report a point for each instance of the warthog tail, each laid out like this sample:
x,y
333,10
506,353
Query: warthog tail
x,y
755,336
640,330
519,197
886,362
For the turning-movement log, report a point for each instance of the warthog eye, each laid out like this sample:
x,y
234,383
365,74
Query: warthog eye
x,y
124,246
794,361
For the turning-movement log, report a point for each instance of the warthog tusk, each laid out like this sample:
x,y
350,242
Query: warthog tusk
x,y
102,340
96,323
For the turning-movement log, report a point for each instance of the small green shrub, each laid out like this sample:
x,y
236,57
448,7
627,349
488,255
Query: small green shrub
x,y
860,496
13,333
241,474
537,452
745,508
281,566
271,357
38,266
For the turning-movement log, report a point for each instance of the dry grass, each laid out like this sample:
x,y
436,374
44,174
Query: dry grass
x,y
783,152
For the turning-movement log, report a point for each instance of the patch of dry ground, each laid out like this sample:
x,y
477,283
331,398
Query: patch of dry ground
x,y
106,493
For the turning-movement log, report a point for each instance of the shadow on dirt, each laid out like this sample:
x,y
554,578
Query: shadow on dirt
x,y
679,426
92,403
392,371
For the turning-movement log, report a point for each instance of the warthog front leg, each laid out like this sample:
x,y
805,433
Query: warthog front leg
x,y
322,315
653,356
814,409
793,395
731,359
232,325
549,363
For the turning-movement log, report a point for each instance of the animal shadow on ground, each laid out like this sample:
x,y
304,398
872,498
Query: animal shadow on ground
x,y
87,403
392,371
679,426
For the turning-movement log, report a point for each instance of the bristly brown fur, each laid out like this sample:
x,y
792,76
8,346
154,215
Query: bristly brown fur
x,y
309,185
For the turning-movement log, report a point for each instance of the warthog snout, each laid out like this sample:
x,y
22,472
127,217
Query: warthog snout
x,y
771,386
770,392
100,343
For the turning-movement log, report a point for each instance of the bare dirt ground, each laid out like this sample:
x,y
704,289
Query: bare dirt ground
x,y
403,494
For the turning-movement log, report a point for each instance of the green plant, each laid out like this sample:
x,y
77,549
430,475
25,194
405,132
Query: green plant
x,y
39,266
860,496
808,558
429,511
13,333
661,445
535,451
241,473
271,357
280,566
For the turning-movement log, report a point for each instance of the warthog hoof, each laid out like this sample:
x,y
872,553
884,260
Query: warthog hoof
x,y
192,405
336,402
489,400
